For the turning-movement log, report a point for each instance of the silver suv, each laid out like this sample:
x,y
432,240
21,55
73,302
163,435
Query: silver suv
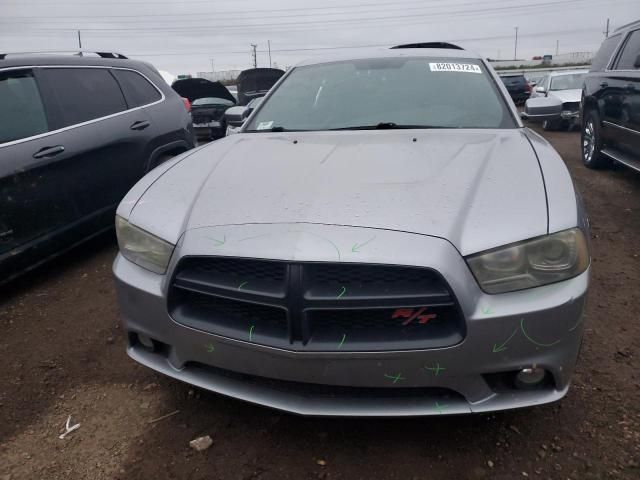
x,y
382,238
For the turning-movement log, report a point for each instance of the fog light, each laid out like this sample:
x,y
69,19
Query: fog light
x,y
146,341
530,377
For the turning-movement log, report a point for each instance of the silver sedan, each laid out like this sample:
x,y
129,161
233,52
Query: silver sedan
x,y
383,237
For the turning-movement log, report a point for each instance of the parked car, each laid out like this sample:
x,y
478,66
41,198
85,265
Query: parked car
x,y
209,100
208,116
76,132
534,80
611,102
256,82
565,85
382,238
517,86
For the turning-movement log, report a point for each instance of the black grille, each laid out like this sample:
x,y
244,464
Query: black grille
x,y
316,306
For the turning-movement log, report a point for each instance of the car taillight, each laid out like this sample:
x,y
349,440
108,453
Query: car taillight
x,y
187,104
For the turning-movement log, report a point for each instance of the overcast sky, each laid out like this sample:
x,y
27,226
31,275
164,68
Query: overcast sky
x,y
183,36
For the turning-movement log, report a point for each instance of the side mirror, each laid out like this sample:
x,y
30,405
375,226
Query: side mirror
x,y
540,90
235,116
636,64
542,108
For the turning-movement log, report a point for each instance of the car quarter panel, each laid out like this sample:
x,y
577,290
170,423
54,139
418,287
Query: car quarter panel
x,y
137,191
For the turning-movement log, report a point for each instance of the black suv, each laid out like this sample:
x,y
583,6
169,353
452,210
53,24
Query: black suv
x,y
611,102
76,132
517,86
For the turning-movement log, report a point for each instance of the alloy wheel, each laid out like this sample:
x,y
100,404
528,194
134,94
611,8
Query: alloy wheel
x,y
588,141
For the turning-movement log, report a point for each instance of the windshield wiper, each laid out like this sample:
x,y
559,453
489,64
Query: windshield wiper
x,y
277,128
386,126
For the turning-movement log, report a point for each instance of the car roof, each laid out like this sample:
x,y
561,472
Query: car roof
x,y
391,53
635,23
21,59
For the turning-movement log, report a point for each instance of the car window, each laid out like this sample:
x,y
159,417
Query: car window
x,y
601,60
137,89
212,101
430,92
76,95
22,114
571,81
630,52
513,81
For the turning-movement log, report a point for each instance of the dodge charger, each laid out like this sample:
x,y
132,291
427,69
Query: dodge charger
x,y
383,237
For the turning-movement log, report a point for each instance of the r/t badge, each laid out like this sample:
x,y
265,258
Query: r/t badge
x,y
411,314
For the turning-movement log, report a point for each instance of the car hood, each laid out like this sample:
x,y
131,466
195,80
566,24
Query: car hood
x,y
476,188
194,88
567,96
256,82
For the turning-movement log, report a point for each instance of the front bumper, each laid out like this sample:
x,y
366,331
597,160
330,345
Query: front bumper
x,y
504,333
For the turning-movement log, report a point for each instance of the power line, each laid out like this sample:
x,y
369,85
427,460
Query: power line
x,y
145,18
375,45
342,11
545,5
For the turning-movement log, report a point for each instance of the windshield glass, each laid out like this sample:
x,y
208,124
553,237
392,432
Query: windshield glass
x,y
573,81
212,101
392,92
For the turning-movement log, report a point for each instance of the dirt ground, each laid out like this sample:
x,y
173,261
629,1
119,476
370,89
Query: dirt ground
x,y
62,353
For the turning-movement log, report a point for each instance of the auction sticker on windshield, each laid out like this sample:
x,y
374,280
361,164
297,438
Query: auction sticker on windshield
x,y
455,67
265,125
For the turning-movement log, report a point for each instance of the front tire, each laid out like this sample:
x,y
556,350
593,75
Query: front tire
x,y
592,156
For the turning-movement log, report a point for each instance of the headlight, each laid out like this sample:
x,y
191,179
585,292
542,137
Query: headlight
x,y
531,263
142,248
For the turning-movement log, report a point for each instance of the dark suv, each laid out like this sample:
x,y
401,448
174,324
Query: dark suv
x,y
517,86
76,133
611,102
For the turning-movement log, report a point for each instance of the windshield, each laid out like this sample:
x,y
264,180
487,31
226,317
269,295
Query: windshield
x,y
385,93
573,81
212,101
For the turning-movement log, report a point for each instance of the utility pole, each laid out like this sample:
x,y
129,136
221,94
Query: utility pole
x,y
255,56
212,70
80,42
557,47
606,31
515,49
269,44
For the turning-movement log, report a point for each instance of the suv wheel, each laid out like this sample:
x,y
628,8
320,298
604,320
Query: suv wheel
x,y
592,142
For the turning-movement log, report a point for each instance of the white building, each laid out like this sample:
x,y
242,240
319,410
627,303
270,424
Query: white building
x,y
583,58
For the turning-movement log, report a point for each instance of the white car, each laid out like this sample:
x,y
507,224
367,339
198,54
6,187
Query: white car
x,y
566,86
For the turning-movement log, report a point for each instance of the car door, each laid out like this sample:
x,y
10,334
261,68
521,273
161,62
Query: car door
x,y
612,91
543,87
105,141
627,71
34,191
